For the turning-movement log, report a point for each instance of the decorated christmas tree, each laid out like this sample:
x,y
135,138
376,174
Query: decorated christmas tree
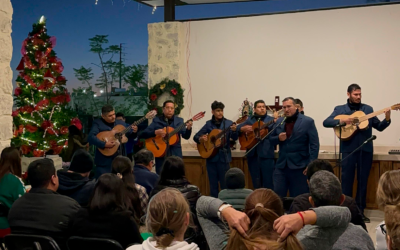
x,y
42,117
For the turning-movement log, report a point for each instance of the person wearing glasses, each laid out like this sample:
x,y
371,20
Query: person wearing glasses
x,y
144,163
388,200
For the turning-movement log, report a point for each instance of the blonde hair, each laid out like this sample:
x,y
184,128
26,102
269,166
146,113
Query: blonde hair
x,y
263,207
388,191
166,215
392,221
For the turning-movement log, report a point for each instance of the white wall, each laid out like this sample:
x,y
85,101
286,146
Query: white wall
x,y
313,56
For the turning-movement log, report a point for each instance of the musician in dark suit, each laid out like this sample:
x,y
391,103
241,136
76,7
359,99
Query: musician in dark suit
x,y
218,165
298,142
261,160
362,159
157,128
106,123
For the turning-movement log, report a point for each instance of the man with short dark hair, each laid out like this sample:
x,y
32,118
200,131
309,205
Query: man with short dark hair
x,y
106,123
302,203
298,142
261,160
42,211
362,159
144,162
75,181
157,127
299,105
218,165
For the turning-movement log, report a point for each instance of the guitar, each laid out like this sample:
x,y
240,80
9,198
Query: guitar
x,y
249,139
210,147
360,122
115,135
158,144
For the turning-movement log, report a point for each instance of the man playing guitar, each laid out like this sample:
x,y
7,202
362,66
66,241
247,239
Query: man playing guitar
x,y
157,128
106,123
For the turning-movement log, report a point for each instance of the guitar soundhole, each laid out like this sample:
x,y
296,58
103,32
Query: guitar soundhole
x,y
256,132
213,140
356,121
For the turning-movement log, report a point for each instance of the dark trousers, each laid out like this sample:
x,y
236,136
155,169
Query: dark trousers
x,y
216,173
159,164
261,171
99,170
362,161
290,179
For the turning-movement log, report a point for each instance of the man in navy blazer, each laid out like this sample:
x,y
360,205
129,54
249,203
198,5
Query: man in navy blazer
x,y
362,159
298,142
261,160
106,123
218,165
144,161
157,128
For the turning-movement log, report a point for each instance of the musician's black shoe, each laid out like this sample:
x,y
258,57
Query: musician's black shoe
x,y
365,219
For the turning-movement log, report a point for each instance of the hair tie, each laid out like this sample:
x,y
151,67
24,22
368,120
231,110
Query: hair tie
x,y
119,175
259,205
163,231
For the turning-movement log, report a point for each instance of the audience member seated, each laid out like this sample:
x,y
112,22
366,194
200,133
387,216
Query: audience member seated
x,y
168,217
387,194
75,182
11,187
144,162
302,203
43,211
108,214
173,175
123,168
392,227
254,229
235,193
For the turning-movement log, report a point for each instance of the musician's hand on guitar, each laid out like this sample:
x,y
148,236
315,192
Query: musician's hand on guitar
x,y
348,120
109,144
204,138
124,139
189,125
246,129
282,136
160,132
134,128
233,127
387,114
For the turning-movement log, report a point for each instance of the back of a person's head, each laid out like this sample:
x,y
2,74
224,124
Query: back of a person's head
x,y
388,191
82,162
168,214
235,179
143,157
392,222
325,189
10,162
263,207
40,173
318,165
172,169
108,195
122,167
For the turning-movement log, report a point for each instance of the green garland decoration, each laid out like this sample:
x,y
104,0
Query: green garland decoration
x,y
166,86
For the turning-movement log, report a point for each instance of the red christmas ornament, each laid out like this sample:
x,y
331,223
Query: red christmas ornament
x,y
61,80
28,80
15,113
26,109
57,150
76,122
42,104
48,76
153,97
52,131
46,124
21,65
17,91
66,143
52,59
64,130
34,145
174,91
45,85
31,128
38,153
23,48
25,149
53,144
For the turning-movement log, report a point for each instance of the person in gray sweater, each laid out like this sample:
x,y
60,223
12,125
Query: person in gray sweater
x,y
235,193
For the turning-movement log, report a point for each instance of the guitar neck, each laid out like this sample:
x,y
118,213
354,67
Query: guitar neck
x,y
376,113
175,131
134,124
266,124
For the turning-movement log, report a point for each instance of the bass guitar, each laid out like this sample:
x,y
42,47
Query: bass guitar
x,y
249,139
158,145
210,147
360,122
115,135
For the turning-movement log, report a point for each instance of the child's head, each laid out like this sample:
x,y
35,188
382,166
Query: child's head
x,y
168,216
217,109
234,179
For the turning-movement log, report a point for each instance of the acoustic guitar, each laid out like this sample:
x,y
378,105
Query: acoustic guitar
x,y
158,144
210,147
249,139
115,135
360,122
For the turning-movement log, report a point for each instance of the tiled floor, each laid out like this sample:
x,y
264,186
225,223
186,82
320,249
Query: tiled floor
x,y
376,217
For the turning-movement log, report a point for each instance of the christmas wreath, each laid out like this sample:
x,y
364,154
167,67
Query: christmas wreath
x,y
166,86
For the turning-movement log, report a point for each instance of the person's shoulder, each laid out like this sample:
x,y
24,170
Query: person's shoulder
x,y
11,179
179,119
306,118
366,106
67,201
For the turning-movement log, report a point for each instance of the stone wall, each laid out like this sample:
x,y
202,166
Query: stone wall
x,y
6,99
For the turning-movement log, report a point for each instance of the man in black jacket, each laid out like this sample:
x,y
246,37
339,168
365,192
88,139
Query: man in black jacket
x,y
302,203
43,211
75,181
